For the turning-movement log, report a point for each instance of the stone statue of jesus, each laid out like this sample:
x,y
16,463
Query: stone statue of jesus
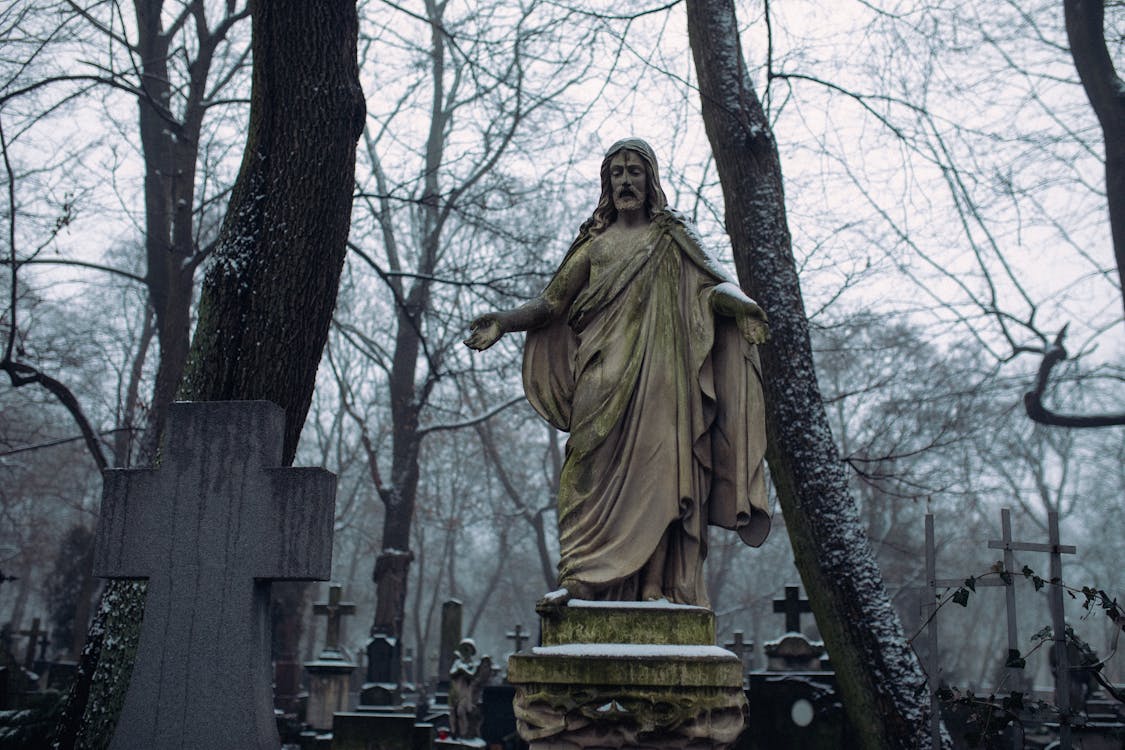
x,y
645,350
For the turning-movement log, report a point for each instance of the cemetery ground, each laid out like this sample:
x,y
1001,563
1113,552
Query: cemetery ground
x,y
218,521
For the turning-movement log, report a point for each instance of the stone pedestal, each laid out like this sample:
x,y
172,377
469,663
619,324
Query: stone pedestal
x,y
329,686
628,675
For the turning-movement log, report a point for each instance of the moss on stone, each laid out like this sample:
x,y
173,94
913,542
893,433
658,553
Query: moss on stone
x,y
626,624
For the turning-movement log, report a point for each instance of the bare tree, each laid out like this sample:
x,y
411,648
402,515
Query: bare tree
x,y
267,299
879,677
484,87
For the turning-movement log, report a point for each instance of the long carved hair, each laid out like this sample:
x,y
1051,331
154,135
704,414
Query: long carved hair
x,y
606,213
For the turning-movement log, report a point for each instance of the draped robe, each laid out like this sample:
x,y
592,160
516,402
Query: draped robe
x,y
663,402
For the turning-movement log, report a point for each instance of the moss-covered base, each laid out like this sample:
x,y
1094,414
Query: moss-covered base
x,y
616,676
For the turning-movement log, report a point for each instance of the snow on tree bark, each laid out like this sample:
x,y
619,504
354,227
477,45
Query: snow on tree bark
x,y
878,674
267,300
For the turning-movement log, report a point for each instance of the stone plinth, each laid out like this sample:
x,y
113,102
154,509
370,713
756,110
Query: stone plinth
x,y
329,683
628,674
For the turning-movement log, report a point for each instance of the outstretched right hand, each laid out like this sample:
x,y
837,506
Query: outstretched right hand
x,y
484,332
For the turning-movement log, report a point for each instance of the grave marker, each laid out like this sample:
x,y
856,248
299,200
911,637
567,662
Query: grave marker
x,y
740,648
792,606
518,636
32,641
210,529
1058,621
332,610
330,675
450,639
1005,543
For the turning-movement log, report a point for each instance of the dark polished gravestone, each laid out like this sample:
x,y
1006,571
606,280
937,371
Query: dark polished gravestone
x,y
210,529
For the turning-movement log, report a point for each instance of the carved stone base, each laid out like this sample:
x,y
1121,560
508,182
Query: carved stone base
x,y
661,684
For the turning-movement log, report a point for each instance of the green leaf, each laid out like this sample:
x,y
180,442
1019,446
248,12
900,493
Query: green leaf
x,y
971,583
1027,572
961,596
1015,661
1038,582
1006,577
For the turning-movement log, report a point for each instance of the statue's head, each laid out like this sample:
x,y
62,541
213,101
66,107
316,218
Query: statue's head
x,y
467,649
620,156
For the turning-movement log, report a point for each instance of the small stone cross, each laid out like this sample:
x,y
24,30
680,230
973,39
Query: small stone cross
x,y
792,606
518,636
32,641
210,528
739,647
333,609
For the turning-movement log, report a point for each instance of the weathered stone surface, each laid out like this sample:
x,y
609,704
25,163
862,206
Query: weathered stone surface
x,y
681,692
630,622
552,716
210,528
627,664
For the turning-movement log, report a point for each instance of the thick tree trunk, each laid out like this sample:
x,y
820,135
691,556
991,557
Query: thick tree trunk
x,y
878,674
267,300
1085,30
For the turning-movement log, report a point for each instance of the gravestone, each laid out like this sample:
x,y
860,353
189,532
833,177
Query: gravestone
x,y
210,529
383,672
450,639
32,642
740,648
517,636
330,673
794,701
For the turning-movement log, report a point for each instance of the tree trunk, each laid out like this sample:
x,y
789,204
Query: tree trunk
x,y
1085,30
267,300
878,674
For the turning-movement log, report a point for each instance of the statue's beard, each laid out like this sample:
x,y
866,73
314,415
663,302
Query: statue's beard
x,y
627,200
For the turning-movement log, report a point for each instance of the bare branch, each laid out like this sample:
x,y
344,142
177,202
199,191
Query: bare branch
x,y
473,421
1033,399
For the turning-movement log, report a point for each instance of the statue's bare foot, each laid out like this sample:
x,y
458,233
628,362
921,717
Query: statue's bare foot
x,y
555,600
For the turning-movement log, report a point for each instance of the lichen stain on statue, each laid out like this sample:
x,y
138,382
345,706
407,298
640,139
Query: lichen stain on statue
x,y
645,350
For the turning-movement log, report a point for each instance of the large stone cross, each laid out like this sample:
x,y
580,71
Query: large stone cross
x,y
210,529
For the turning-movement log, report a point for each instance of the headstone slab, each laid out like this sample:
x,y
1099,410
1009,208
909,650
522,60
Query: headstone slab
x,y
210,529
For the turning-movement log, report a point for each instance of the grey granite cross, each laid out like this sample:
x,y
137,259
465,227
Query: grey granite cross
x,y
210,529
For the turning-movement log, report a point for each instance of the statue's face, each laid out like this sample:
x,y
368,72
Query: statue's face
x,y
627,180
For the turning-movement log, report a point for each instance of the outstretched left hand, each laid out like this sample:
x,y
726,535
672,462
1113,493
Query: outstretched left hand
x,y
752,324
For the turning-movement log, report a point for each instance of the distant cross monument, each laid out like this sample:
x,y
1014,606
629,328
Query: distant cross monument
x,y
32,642
333,610
518,636
210,528
740,647
1055,597
792,606
1005,543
